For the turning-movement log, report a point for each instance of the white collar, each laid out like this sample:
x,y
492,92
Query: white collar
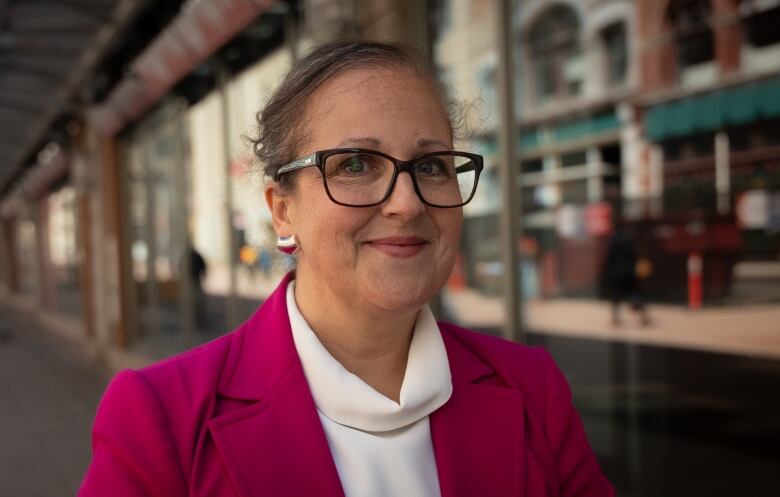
x,y
344,398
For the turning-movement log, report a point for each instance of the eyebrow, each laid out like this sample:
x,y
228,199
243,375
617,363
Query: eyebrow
x,y
425,142
360,141
374,142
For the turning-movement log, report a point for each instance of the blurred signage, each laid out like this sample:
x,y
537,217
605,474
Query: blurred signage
x,y
753,209
570,221
577,221
598,219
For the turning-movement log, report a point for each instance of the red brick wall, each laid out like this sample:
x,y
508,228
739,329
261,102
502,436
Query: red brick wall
x,y
657,51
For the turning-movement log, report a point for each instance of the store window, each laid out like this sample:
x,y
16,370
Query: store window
x,y
27,258
616,51
572,159
532,165
762,17
63,250
556,55
690,20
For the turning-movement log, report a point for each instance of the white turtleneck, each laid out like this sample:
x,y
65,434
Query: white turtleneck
x,y
381,448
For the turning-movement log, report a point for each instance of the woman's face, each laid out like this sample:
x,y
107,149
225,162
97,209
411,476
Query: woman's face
x,y
394,256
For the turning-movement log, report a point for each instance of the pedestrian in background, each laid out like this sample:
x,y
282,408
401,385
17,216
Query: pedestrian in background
x,y
621,273
343,383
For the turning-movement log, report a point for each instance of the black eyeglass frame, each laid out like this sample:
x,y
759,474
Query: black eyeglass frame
x,y
318,159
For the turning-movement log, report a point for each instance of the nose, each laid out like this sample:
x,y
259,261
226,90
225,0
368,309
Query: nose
x,y
403,200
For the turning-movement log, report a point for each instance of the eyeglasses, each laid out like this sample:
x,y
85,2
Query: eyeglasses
x,y
357,177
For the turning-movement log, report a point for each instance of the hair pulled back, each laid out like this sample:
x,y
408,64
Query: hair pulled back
x,y
281,123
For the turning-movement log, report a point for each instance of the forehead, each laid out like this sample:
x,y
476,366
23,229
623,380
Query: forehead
x,y
393,103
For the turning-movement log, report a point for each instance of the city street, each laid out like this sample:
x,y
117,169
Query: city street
x,y
48,396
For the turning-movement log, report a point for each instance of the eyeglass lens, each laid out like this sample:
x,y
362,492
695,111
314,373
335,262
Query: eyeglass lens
x,y
364,179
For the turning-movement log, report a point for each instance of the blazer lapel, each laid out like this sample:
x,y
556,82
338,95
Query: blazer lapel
x,y
276,444
478,435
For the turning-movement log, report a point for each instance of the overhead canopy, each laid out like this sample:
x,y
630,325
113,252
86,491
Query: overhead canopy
x,y
715,110
187,42
46,48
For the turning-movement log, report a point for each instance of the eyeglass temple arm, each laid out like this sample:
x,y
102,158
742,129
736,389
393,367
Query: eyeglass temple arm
x,y
469,166
307,161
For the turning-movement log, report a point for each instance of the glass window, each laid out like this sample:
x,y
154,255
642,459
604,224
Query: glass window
x,y
614,37
761,21
577,158
532,165
690,20
63,250
556,56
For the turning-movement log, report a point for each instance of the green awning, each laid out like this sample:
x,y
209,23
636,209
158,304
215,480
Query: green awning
x,y
715,110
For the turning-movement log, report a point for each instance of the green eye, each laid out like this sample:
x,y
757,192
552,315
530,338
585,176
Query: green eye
x,y
354,165
431,167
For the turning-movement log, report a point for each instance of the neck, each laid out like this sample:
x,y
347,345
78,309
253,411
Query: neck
x,y
370,343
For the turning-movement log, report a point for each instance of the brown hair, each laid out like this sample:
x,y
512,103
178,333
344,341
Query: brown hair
x,y
280,124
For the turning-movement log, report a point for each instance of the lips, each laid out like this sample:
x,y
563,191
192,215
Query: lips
x,y
399,246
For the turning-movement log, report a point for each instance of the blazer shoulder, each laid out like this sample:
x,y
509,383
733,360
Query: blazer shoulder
x,y
523,367
200,366
497,351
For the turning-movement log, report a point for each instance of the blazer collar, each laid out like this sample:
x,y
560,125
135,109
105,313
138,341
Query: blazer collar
x,y
262,350
276,444
478,435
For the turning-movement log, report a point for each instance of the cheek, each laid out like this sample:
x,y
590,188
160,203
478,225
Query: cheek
x,y
450,225
329,231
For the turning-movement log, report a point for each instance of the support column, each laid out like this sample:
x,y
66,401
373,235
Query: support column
x,y
45,273
8,256
508,137
232,298
84,228
595,178
728,35
722,172
117,277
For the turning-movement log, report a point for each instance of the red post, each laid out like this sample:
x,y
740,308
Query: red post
x,y
694,281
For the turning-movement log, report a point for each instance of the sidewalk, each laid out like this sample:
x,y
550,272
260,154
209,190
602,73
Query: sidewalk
x,y
49,394
751,330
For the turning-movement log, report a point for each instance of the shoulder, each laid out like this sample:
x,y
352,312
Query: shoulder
x,y
200,365
497,352
529,369
160,410
178,385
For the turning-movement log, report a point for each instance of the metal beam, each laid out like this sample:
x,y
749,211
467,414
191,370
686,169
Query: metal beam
x,y
57,29
22,107
88,10
14,91
3,13
50,77
82,10
508,138
11,141
51,50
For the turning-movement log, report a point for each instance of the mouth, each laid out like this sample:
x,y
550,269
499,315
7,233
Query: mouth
x,y
399,246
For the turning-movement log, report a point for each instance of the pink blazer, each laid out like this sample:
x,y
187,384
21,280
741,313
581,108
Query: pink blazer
x,y
235,417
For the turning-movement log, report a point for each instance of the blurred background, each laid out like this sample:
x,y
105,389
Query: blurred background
x,y
628,218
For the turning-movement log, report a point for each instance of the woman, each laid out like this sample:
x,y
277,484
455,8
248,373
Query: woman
x,y
342,383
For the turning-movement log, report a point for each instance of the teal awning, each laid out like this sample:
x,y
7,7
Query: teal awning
x,y
715,110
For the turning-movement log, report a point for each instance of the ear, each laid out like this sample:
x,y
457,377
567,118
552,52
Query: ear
x,y
279,205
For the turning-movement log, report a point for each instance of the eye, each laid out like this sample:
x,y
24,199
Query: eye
x,y
354,165
433,166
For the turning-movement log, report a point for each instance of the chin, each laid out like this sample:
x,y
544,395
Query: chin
x,y
401,294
